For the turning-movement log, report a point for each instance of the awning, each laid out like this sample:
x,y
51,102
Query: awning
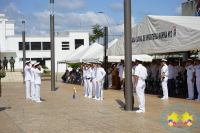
x,y
162,34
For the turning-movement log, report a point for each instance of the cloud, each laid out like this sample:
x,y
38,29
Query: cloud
x,y
116,7
178,10
69,5
38,23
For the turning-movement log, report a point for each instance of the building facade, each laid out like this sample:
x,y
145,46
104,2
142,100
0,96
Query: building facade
x,y
38,46
191,8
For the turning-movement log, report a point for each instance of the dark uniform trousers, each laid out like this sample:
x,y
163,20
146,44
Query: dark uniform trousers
x,y
170,87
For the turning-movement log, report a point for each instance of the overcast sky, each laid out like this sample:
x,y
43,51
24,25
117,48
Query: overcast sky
x,y
70,13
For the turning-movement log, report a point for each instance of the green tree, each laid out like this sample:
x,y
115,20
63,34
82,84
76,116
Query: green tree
x,y
98,33
75,65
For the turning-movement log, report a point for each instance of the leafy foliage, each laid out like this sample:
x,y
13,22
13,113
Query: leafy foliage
x,y
98,33
75,65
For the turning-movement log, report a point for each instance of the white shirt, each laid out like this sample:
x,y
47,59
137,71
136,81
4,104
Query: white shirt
x,y
37,74
141,72
84,72
32,75
165,70
121,69
154,69
197,70
177,69
100,74
27,72
170,72
94,71
89,73
190,70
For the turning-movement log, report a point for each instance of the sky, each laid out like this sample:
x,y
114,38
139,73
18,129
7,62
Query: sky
x,y
70,13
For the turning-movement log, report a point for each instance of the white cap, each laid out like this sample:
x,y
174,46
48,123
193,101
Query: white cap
x,y
98,62
88,63
163,60
190,59
28,61
37,63
139,59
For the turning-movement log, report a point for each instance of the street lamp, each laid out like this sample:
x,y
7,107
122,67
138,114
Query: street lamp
x,y
24,47
128,56
114,29
107,21
52,45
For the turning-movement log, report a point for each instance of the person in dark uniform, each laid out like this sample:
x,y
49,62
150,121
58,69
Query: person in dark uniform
x,y
5,62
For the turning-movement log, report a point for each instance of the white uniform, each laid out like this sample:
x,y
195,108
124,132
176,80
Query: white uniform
x,y
100,80
134,77
154,71
121,70
190,71
170,72
85,81
37,75
32,83
27,73
164,82
94,83
197,74
89,83
141,72
177,69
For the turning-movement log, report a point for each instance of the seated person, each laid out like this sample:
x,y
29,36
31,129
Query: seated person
x,y
77,78
65,76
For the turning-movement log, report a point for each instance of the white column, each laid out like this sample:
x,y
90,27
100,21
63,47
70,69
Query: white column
x,y
3,36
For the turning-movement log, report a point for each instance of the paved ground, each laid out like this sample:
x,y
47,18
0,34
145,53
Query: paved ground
x,y
61,113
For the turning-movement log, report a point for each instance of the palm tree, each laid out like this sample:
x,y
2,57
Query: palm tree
x,y
98,33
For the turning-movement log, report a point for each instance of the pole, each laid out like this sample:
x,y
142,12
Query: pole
x,y
105,56
128,56
52,47
24,48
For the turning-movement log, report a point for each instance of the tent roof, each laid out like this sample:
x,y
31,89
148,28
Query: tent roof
x,y
86,52
162,34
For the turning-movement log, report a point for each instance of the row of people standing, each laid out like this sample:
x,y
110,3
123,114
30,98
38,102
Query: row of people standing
x,y
12,64
93,76
32,73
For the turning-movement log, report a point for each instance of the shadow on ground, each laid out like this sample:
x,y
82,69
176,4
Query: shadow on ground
x,y
4,108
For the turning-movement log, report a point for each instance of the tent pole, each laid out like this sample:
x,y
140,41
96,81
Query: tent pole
x,y
57,72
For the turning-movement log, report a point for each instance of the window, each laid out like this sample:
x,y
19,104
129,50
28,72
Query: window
x,y
46,46
27,59
78,43
26,46
46,58
36,59
65,45
35,45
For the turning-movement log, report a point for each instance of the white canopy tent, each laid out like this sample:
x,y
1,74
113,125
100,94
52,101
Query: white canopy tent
x,y
85,52
162,34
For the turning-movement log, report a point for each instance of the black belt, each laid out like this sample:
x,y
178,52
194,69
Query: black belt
x,y
88,78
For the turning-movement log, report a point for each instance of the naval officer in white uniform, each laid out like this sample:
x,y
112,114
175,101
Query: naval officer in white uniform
x,y
139,86
197,74
100,74
33,82
27,79
190,79
37,73
84,79
89,80
94,82
164,78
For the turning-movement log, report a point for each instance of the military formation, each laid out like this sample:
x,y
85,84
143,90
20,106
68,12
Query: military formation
x,y
93,76
32,78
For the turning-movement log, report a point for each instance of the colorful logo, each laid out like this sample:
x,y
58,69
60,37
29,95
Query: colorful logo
x,y
174,31
180,119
